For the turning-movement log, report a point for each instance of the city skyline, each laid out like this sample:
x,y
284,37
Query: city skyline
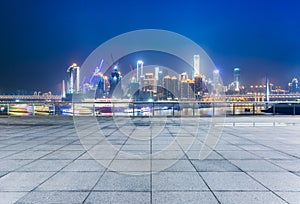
x,y
41,39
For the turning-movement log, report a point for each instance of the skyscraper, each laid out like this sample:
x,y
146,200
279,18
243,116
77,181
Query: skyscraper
x,y
187,89
167,86
216,83
139,70
196,65
294,87
74,70
174,87
63,89
236,75
114,80
198,86
149,83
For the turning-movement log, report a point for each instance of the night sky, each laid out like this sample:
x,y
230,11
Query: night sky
x,y
41,38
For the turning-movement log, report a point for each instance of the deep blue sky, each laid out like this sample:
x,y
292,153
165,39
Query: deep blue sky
x,y
41,38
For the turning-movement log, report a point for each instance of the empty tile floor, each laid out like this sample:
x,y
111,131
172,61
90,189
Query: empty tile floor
x,y
150,160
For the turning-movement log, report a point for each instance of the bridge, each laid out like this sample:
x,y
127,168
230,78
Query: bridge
x,y
260,97
30,97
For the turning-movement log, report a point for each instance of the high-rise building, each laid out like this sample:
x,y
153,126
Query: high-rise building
x,y
167,87
156,73
139,70
183,76
236,75
74,70
198,85
294,86
187,89
63,89
150,83
217,86
114,80
196,65
101,87
174,87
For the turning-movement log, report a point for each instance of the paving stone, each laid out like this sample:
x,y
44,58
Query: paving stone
x,y
195,155
84,165
290,165
45,165
10,197
248,197
63,155
290,197
172,165
272,155
119,197
214,166
10,165
23,181
130,165
71,181
180,197
4,154
53,197
112,181
256,165
241,155
278,181
230,181
177,181
28,155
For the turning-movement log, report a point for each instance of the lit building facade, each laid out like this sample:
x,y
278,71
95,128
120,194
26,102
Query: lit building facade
x,y
196,65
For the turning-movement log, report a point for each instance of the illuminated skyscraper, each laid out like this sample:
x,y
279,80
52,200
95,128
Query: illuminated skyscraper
x,y
74,70
294,86
150,83
198,86
63,89
216,83
139,70
100,91
236,79
167,86
187,89
156,73
183,76
196,65
114,80
174,87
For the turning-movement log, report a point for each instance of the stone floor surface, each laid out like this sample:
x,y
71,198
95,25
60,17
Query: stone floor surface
x,y
150,160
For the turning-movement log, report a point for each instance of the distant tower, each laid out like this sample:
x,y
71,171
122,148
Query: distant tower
x,y
139,70
216,82
174,87
183,76
198,86
215,77
156,73
63,89
236,76
187,89
74,69
267,89
196,65
114,80
100,87
150,83
167,86
294,86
